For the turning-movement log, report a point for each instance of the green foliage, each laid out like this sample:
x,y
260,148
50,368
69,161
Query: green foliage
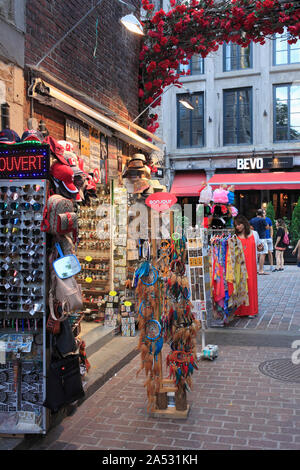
x,y
295,224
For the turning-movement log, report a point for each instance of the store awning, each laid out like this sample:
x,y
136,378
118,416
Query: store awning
x,y
188,183
248,181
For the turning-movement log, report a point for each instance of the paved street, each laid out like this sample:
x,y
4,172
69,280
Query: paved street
x,y
279,302
233,404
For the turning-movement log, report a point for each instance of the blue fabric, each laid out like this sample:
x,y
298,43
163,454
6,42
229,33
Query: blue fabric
x,y
269,222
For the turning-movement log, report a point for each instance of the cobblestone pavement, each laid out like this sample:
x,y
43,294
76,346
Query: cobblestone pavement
x,y
279,302
233,406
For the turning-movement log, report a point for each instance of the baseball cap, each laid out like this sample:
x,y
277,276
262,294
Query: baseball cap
x,y
65,174
32,134
56,149
8,136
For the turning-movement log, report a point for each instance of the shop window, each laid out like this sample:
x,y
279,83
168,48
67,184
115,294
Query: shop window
x,y
237,116
190,123
286,112
236,57
283,52
195,65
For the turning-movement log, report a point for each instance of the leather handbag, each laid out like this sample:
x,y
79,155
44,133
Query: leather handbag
x,y
65,341
66,291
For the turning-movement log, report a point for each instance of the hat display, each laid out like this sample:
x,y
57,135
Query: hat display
x,y
32,134
139,156
65,174
56,149
8,136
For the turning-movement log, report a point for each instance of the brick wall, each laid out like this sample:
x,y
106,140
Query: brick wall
x,y
111,77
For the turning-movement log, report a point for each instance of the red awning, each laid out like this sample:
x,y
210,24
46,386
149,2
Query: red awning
x,y
246,181
188,183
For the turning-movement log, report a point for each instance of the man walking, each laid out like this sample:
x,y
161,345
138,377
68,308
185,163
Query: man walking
x,y
269,237
260,225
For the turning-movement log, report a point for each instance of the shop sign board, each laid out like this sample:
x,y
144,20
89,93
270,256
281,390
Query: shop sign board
x,y
259,163
24,161
161,202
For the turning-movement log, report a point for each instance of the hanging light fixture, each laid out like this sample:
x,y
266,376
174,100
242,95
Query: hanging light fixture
x,y
186,102
132,24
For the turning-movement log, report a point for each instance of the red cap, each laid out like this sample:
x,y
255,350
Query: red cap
x,y
56,149
64,173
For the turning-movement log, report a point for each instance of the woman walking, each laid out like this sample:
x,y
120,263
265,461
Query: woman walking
x,y
282,242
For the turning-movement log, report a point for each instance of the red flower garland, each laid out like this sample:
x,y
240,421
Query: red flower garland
x,y
172,38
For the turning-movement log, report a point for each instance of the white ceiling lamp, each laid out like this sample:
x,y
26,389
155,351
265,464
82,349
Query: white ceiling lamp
x,y
132,24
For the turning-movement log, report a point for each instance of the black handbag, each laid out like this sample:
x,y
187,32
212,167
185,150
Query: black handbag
x,y
63,383
65,341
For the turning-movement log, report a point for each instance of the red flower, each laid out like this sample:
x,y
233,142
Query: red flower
x,y
156,48
141,93
148,86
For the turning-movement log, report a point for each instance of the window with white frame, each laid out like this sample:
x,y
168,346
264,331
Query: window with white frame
x,y
283,52
286,112
190,122
195,65
237,119
236,57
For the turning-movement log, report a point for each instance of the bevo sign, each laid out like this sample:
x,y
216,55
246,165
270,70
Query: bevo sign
x,y
254,163
161,201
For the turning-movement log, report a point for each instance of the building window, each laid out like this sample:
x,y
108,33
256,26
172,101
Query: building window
x,y
283,52
286,112
237,116
236,57
190,123
195,65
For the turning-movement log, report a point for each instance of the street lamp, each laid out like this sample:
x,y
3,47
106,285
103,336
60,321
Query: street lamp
x,y
184,101
132,24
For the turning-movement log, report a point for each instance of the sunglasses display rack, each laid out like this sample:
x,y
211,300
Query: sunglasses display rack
x,y
22,306
94,254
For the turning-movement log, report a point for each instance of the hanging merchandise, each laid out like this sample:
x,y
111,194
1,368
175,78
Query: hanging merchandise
x,y
165,316
228,276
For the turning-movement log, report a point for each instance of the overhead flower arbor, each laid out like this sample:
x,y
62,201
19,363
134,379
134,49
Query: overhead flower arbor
x,y
200,27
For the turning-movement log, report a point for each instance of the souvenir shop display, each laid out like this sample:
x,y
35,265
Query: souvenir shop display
x,y
199,278
23,295
218,206
228,276
93,253
165,316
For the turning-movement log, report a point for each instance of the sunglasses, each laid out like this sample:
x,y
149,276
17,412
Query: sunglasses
x,y
5,230
32,291
29,223
8,248
5,306
35,188
24,206
14,221
27,231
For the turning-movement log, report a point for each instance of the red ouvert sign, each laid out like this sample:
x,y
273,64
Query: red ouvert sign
x,y
161,202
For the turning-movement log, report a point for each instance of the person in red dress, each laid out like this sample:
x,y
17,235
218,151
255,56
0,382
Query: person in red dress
x,y
251,243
